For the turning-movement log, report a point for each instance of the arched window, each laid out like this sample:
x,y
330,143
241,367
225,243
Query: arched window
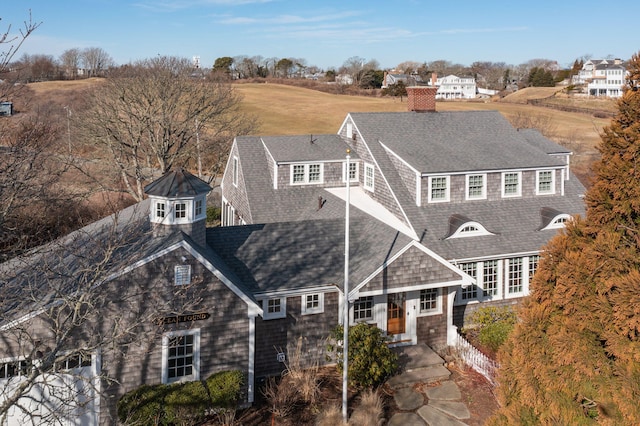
x,y
470,229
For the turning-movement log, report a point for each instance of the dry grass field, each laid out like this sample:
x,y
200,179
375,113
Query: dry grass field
x,y
284,109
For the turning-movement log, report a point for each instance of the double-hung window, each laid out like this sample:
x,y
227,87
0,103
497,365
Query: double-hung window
x,y
490,277
515,278
545,182
368,177
306,173
181,356
353,171
438,189
198,208
180,210
160,210
511,184
476,187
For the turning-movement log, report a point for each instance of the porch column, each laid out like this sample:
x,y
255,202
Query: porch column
x,y
452,330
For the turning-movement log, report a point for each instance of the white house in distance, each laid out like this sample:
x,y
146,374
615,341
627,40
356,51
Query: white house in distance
x,y
454,87
602,77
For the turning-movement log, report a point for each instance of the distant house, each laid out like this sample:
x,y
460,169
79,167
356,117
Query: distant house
x,y
391,78
344,79
602,77
454,87
6,109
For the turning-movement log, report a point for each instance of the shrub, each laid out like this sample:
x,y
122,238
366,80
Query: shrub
x,y
495,324
370,411
180,403
213,215
371,361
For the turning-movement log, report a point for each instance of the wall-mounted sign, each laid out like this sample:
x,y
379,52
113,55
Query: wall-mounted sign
x,y
174,319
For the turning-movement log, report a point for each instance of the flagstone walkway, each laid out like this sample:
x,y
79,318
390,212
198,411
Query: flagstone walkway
x,y
423,392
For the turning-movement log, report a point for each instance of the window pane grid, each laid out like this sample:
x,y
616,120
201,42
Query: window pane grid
x,y
490,278
470,291
313,301
298,173
180,210
476,186
511,183
439,188
514,274
363,308
428,300
368,176
160,210
180,356
545,181
273,306
314,173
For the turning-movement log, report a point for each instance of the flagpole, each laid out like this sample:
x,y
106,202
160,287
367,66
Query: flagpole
x,y
345,321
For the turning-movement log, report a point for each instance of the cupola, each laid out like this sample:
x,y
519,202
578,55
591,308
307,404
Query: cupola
x,y
178,202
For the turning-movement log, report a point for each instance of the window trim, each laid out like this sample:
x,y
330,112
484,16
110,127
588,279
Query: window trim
x,y
363,299
524,273
314,310
447,189
552,191
479,231
181,278
435,311
234,173
161,210
282,313
357,171
370,186
558,222
483,196
307,173
503,184
196,355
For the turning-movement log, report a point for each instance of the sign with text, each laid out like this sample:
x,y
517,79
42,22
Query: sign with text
x,y
174,319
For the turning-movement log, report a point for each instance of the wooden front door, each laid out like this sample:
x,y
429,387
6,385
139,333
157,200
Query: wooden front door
x,y
396,313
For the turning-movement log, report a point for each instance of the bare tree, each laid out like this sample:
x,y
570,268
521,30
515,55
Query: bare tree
x,y
14,43
96,61
157,117
70,60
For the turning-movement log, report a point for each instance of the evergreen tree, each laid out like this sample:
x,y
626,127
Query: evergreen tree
x,y
574,356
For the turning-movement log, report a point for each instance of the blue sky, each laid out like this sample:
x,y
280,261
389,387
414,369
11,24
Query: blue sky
x,y
327,33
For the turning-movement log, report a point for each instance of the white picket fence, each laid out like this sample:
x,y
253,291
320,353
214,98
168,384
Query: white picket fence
x,y
476,359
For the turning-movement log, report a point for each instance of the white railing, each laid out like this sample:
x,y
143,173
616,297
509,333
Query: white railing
x,y
476,359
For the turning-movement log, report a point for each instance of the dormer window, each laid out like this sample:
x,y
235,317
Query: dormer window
x,y
438,189
476,187
511,186
553,219
180,210
306,173
545,182
470,229
160,210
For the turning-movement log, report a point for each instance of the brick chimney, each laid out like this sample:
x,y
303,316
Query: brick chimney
x,y
421,98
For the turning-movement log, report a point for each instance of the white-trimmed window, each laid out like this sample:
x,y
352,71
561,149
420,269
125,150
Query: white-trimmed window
x,y
545,182
470,229
181,356
353,171
558,222
235,171
198,210
306,173
76,360
430,301
368,177
14,368
274,308
469,292
438,189
511,184
490,278
363,309
476,187
160,209
312,303
533,266
182,274
180,210
515,276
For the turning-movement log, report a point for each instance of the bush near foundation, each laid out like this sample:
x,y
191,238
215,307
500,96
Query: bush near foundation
x,y
178,403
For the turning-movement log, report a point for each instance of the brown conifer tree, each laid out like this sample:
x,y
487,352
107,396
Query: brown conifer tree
x,y
574,357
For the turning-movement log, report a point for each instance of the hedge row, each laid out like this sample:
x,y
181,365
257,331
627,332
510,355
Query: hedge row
x,y
179,402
